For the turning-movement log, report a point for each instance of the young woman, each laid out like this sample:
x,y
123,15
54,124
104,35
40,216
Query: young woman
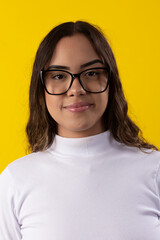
x,y
90,175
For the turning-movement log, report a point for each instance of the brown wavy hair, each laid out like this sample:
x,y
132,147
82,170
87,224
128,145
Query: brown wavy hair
x,y
41,127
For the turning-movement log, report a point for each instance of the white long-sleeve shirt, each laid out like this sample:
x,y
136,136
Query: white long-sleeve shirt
x,y
90,188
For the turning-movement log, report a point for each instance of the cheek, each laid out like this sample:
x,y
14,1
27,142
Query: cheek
x,y
52,104
102,102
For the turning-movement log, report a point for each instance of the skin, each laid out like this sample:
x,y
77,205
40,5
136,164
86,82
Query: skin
x,y
73,51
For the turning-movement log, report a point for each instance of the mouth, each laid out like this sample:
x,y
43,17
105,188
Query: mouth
x,y
78,107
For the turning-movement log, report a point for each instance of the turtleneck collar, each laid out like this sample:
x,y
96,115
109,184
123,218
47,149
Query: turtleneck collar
x,y
85,146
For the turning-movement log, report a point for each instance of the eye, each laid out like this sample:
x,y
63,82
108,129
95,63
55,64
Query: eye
x,y
92,73
58,76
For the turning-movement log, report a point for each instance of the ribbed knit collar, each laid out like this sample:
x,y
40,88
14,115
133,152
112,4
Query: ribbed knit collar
x,y
85,146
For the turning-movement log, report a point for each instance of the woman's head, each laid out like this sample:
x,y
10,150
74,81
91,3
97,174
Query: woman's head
x,y
72,45
76,54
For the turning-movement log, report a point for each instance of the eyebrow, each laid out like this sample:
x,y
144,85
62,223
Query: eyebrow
x,y
82,66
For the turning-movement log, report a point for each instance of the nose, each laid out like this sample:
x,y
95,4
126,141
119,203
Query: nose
x,y
76,88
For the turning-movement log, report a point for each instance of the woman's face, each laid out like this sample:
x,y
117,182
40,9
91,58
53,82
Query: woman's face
x,y
72,52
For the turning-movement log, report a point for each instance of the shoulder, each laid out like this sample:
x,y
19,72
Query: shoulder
x,y
26,165
123,149
133,154
26,161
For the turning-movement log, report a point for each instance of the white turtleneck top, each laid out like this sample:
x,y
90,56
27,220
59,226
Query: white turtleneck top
x,y
90,188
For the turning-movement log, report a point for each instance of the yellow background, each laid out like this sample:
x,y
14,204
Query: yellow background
x,y
132,29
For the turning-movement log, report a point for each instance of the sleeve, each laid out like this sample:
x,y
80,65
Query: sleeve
x,y
158,185
9,227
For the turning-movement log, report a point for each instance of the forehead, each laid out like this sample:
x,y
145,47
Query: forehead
x,y
73,49
78,40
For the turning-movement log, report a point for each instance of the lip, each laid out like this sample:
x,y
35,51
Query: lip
x,y
78,104
78,107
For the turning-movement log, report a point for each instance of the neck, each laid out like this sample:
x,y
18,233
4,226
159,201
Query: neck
x,y
83,146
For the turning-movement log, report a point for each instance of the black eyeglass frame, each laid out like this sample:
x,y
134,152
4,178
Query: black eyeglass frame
x,y
73,76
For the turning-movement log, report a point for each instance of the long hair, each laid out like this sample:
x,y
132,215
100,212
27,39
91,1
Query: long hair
x,y
41,127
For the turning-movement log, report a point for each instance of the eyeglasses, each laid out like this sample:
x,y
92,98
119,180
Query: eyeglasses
x,y
92,80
